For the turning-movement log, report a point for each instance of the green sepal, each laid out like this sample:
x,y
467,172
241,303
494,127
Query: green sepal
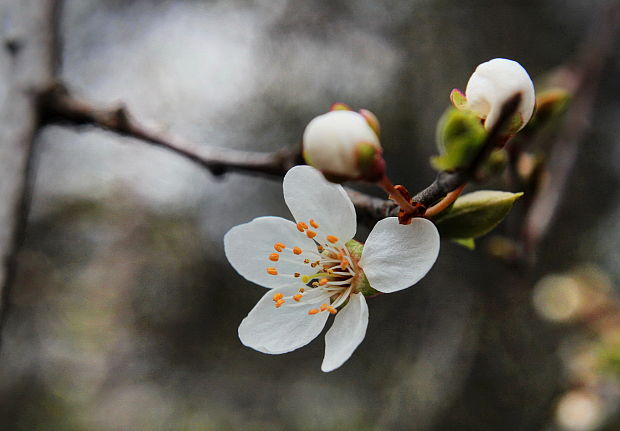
x,y
475,214
459,138
365,155
468,243
361,282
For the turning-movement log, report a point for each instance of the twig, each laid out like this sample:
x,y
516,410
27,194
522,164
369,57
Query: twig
x,y
58,106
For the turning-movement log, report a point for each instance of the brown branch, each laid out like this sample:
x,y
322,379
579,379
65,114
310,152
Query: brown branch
x,y
58,106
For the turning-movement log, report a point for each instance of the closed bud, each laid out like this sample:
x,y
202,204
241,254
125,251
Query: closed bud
x,y
344,145
492,84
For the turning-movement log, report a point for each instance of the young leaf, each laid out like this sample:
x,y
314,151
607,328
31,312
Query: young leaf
x,y
475,214
458,99
459,138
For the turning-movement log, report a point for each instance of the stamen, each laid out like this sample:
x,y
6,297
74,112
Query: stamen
x,y
296,275
310,233
324,307
314,224
302,290
306,260
313,311
277,296
333,239
274,257
301,226
271,270
297,297
332,310
315,284
297,250
279,246
279,303
323,281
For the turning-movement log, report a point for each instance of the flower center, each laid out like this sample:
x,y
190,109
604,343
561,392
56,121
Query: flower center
x,y
332,271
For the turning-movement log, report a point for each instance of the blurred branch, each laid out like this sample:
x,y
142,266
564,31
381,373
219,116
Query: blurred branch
x,y
581,78
28,64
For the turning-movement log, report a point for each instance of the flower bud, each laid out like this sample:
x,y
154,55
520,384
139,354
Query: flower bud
x,y
492,84
344,145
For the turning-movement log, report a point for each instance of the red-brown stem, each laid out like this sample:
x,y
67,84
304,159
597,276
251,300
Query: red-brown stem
x,y
445,202
395,195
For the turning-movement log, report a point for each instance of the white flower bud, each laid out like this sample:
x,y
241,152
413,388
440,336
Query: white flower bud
x,y
493,83
343,145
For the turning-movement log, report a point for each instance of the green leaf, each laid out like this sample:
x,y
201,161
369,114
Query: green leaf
x,y
475,214
469,243
459,138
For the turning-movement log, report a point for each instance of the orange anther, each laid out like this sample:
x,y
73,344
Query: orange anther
x,y
271,270
297,297
277,296
332,310
302,290
310,233
279,246
279,303
296,275
301,226
344,263
313,224
296,250
313,311
324,307
333,239
323,281
274,257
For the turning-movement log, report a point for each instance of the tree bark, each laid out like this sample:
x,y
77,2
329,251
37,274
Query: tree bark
x,y
26,65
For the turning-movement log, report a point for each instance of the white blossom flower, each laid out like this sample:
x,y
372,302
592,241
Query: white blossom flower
x,y
493,83
344,145
313,270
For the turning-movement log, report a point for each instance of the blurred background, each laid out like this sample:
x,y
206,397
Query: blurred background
x,y
124,312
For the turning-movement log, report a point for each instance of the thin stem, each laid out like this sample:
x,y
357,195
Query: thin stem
x,y
445,202
395,195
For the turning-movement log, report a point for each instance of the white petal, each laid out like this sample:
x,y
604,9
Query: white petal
x,y
310,196
279,330
249,245
397,256
347,332
492,83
